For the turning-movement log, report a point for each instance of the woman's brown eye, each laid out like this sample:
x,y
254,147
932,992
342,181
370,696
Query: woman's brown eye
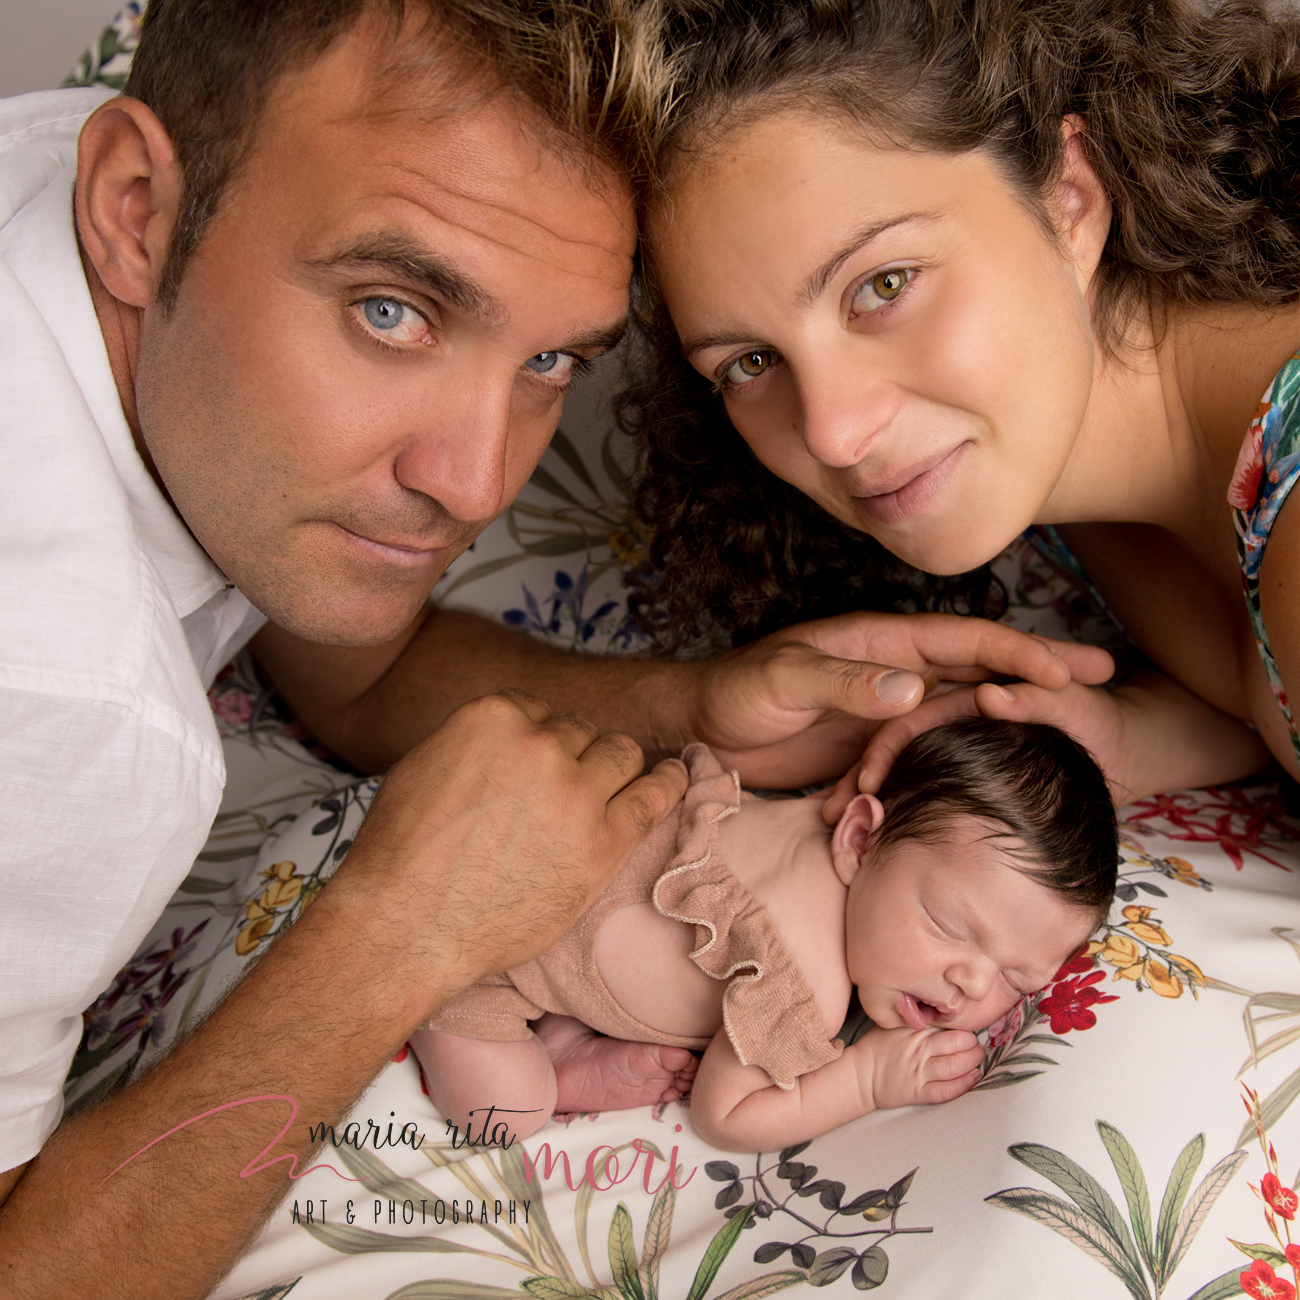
x,y
889,284
882,288
747,367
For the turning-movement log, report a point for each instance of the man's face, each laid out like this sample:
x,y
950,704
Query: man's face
x,y
370,347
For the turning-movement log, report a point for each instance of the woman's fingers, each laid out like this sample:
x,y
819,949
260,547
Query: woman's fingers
x,y
892,737
1087,714
1088,664
958,648
846,788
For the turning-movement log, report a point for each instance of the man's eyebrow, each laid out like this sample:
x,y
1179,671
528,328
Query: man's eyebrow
x,y
817,281
599,340
405,260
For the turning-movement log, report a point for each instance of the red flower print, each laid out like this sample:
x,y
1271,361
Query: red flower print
x,y
1243,492
1262,1283
1080,962
1293,1256
1068,1005
1279,1196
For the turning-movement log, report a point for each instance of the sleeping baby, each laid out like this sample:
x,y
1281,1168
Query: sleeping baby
x,y
741,927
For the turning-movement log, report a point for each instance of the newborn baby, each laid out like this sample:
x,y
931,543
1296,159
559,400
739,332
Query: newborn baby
x,y
741,926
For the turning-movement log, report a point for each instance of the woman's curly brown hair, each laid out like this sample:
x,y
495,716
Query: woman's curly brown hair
x,y
1190,116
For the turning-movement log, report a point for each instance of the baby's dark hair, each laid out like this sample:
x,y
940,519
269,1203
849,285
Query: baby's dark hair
x,y
1043,787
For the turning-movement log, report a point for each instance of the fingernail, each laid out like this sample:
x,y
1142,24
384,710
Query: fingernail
x,y
898,687
1006,695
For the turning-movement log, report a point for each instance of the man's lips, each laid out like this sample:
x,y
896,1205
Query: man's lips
x,y
910,492
407,554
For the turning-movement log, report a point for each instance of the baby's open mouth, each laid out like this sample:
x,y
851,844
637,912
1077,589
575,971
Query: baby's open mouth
x,y
916,1013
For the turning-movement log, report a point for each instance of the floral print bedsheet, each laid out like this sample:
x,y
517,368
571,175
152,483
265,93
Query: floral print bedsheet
x,y
1110,1149
1107,1151
1135,1132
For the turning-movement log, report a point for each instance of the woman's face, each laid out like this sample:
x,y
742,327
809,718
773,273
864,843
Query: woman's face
x,y
893,331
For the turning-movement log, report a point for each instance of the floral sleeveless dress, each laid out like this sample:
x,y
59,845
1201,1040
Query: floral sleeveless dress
x,y
1267,469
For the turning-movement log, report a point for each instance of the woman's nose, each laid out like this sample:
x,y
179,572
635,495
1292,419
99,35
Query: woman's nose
x,y
841,414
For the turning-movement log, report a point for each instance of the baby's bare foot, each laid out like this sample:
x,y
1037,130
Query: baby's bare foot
x,y
595,1073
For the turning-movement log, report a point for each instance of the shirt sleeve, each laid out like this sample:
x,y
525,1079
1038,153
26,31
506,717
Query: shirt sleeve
x,y
103,812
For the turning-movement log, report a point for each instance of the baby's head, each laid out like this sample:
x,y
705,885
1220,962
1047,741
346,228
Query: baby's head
x,y
989,857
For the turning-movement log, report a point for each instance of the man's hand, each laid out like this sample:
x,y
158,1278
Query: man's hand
x,y
798,706
480,850
489,838
913,1067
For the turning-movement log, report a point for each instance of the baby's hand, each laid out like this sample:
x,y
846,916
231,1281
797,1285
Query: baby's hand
x,y
909,1067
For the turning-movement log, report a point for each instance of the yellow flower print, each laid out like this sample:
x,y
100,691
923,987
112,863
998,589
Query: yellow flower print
x,y
284,888
1160,978
1184,872
1136,921
1189,968
252,934
628,550
1121,952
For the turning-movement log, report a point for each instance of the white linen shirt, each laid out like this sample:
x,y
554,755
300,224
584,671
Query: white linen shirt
x,y
113,622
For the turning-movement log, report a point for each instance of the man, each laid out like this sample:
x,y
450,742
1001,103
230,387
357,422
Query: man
x,y
337,262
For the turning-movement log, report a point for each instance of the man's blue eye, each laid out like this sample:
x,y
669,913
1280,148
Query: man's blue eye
x,y
543,362
384,313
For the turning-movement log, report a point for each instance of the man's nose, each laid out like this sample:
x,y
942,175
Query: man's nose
x,y
458,456
842,409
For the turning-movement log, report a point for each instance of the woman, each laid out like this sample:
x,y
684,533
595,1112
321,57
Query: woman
x,y
953,268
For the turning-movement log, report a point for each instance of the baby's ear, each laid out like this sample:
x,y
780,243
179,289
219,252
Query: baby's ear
x,y
852,833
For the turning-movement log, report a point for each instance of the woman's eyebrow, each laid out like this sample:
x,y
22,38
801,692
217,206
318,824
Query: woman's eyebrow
x,y
817,281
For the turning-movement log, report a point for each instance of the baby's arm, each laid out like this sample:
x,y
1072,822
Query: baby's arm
x,y
738,1108
473,1074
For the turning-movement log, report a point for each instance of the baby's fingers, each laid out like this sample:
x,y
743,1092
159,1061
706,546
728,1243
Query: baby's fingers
x,y
954,1065
938,1090
950,1041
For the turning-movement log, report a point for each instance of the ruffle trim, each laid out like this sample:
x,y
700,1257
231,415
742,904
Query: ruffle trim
x,y
768,1010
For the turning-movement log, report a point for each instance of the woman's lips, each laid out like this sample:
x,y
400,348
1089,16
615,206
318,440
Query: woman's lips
x,y
916,493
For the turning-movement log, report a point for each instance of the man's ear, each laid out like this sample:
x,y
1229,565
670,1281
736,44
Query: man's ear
x,y
129,192
1081,207
851,834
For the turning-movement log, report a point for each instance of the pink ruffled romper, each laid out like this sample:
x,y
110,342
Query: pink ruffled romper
x,y
768,1011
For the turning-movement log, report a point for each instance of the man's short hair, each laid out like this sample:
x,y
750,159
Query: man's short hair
x,y
590,69
1033,783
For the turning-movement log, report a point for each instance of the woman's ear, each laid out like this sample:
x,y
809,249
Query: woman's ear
x,y
1080,206
129,191
852,834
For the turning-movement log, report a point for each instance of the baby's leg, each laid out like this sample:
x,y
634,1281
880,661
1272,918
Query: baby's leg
x,y
595,1073
467,1075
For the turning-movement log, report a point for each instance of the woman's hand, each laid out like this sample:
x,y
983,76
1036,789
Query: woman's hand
x,y
796,707
1148,735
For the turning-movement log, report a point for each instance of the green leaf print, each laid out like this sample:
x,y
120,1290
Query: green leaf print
x,y
718,1250
1093,1222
